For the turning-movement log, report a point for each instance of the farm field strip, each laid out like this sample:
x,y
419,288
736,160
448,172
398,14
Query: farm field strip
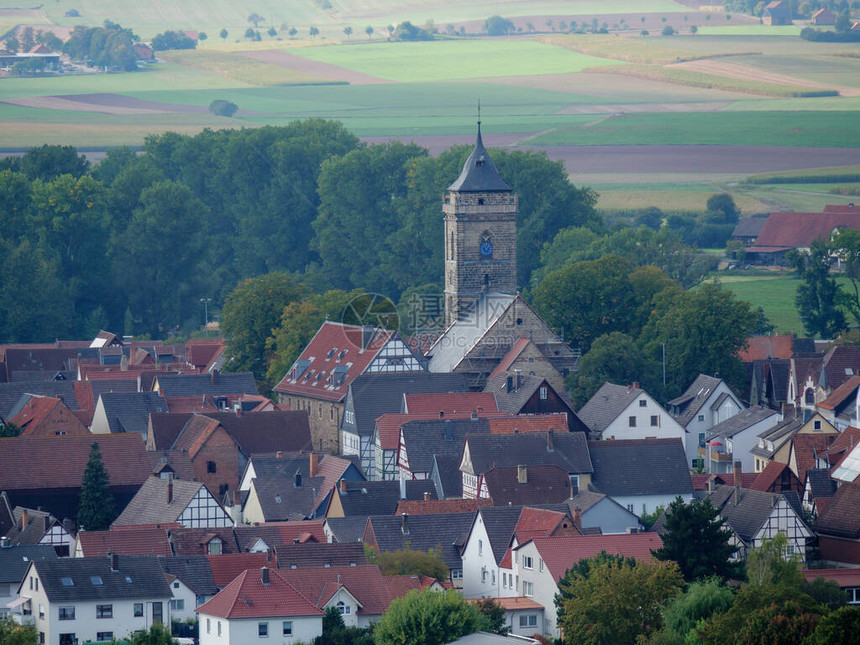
x,y
451,60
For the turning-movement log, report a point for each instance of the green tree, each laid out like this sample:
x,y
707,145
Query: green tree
x,y
694,29
407,31
224,33
587,299
335,632
255,20
347,31
615,602
299,322
567,244
498,26
96,509
313,31
250,314
668,30
696,539
172,40
614,357
702,600
369,31
155,635
14,634
702,329
494,616
724,204
410,562
839,627
9,430
846,245
769,564
12,44
47,162
818,295
427,617
223,107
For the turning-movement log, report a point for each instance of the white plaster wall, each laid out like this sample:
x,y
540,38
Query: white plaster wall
x,y
245,630
649,503
476,557
545,587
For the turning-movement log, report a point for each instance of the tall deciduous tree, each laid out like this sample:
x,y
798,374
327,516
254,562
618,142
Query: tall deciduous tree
x,y
615,602
96,510
697,541
818,295
250,314
846,245
702,329
427,617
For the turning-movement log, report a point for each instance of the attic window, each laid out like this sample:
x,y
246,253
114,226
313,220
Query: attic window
x,y
96,580
67,582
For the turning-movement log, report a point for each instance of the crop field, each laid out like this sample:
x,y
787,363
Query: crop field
x,y
749,30
672,197
453,60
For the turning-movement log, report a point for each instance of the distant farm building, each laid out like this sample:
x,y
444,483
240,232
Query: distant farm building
x,y
776,13
823,17
52,61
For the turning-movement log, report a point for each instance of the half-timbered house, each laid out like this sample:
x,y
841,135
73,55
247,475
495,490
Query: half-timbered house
x,y
165,501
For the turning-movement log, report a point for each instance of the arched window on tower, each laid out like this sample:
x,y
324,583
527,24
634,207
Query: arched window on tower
x,y
486,246
809,397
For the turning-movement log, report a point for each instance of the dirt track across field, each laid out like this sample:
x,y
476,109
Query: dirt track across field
x,y
730,160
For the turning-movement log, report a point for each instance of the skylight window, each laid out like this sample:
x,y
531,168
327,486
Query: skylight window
x,y
128,579
331,353
67,582
96,580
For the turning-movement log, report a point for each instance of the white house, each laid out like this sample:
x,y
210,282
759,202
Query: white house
x,y
72,600
733,439
259,606
629,412
191,582
540,563
708,401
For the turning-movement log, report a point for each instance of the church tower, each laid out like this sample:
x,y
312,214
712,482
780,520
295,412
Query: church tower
x,y
480,211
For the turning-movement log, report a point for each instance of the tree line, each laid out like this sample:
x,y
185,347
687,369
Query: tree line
x,y
134,242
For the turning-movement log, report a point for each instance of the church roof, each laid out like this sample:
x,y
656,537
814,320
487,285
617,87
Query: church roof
x,y
479,173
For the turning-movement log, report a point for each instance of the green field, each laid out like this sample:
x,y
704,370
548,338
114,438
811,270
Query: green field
x,y
750,30
773,294
453,59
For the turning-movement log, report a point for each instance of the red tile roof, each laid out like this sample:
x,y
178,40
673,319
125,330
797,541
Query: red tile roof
x,y
529,423
334,345
761,348
248,597
508,359
33,418
59,462
841,393
227,567
364,582
401,585
200,352
451,403
843,444
840,517
560,553
388,425
842,577
800,229
840,364
537,522
439,506
806,448
130,541
766,478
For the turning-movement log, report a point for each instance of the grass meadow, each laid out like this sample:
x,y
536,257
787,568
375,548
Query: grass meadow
x,y
774,294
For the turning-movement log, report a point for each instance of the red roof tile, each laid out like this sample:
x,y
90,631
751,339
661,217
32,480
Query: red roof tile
x,y
59,462
766,478
334,345
761,348
560,553
800,229
364,582
537,522
842,577
529,423
131,541
513,604
843,444
227,567
841,393
806,448
248,597
399,586
508,359
451,403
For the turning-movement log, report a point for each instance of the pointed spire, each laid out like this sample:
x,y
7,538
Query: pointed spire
x,y
479,173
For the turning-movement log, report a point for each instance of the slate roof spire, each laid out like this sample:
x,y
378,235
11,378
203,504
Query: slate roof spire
x,y
479,172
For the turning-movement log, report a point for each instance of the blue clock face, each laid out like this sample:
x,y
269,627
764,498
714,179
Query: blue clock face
x,y
486,248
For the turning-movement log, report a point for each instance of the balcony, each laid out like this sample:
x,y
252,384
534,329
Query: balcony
x,y
716,456
25,620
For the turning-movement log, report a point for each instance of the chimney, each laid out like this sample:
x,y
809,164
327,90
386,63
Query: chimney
x,y
402,487
441,414
577,517
510,384
213,377
169,488
738,468
550,446
404,523
519,374
449,431
710,484
114,561
25,519
123,363
298,482
313,464
474,415
264,576
426,496
522,475
343,486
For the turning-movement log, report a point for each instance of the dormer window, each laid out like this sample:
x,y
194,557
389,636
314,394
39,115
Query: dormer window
x,y
331,353
214,546
342,354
